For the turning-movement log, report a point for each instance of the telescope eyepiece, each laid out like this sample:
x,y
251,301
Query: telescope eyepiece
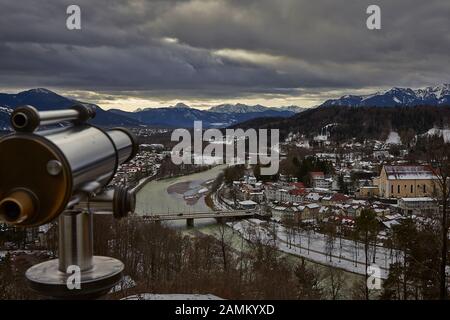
x,y
25,119
18,206
10,210
84,112
124,202
20,120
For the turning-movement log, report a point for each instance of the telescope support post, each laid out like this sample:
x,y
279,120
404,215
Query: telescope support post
x,y
96,274
75,240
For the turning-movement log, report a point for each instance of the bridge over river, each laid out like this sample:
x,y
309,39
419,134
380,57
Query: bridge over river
x,y
189,217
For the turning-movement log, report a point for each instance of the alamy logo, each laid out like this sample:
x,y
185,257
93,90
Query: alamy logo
x,y
74,280
73,21
374,279
234,142
374,20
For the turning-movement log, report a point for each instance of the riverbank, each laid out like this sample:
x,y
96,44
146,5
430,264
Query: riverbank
x,y
157,196
239,243
167,196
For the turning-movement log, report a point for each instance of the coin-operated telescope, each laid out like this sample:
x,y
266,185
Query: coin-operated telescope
x,y
62,172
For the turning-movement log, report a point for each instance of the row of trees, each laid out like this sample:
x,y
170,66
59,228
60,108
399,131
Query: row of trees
x,y
435,151
417,276
365,232
17,236
12,280
163,260
416,244
438,156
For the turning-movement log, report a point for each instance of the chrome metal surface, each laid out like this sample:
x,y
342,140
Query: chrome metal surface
x,y
89,152
123,144
28,118
119,201
48,280
75,240
50,117
54,167
49,171
20,120
102,203
65,162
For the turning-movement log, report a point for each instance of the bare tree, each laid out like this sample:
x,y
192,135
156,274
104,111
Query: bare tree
x,y
366,226
223,239
439,159
308,282
336,282
330,236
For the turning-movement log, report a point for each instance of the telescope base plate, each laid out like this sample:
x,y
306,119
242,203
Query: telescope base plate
x,y
46,279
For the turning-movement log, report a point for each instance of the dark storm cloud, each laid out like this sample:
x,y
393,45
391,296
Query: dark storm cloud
x,y
224,48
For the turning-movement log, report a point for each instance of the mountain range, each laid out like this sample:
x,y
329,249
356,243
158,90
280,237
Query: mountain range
x,y
179,115
403,110
44,99
406,97
224,115
243,108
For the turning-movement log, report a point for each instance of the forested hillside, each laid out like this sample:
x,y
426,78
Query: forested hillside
x,y
359,122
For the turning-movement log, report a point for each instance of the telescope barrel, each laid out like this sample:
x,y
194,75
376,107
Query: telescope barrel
x,y
28,118
43,171
92,153
121,138
64,172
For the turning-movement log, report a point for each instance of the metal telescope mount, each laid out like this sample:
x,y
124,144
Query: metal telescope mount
x,y
62,172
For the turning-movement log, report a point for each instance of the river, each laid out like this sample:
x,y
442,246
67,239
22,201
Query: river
x,y
169,195
177,195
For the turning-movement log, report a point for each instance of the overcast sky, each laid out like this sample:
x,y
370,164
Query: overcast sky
x,y
138,53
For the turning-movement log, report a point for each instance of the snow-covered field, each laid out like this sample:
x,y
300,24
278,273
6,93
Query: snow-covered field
x,y
344,254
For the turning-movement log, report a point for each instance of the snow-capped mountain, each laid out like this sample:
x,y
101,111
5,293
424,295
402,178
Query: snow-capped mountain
x,y
295,109
178,115
238,108
244,108
429,96
4,118
181,115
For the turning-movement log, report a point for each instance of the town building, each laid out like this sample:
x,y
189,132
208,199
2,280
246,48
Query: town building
x,y
405,181
247,205
424,206
368,192
319,181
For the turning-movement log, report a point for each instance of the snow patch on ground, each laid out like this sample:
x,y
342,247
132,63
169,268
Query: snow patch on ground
x,y
439,132
345,254
393,138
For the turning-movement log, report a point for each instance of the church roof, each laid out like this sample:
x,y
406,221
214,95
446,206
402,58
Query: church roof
x,y
408,172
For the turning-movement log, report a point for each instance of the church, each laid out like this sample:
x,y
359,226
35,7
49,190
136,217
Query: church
x,y
406,181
